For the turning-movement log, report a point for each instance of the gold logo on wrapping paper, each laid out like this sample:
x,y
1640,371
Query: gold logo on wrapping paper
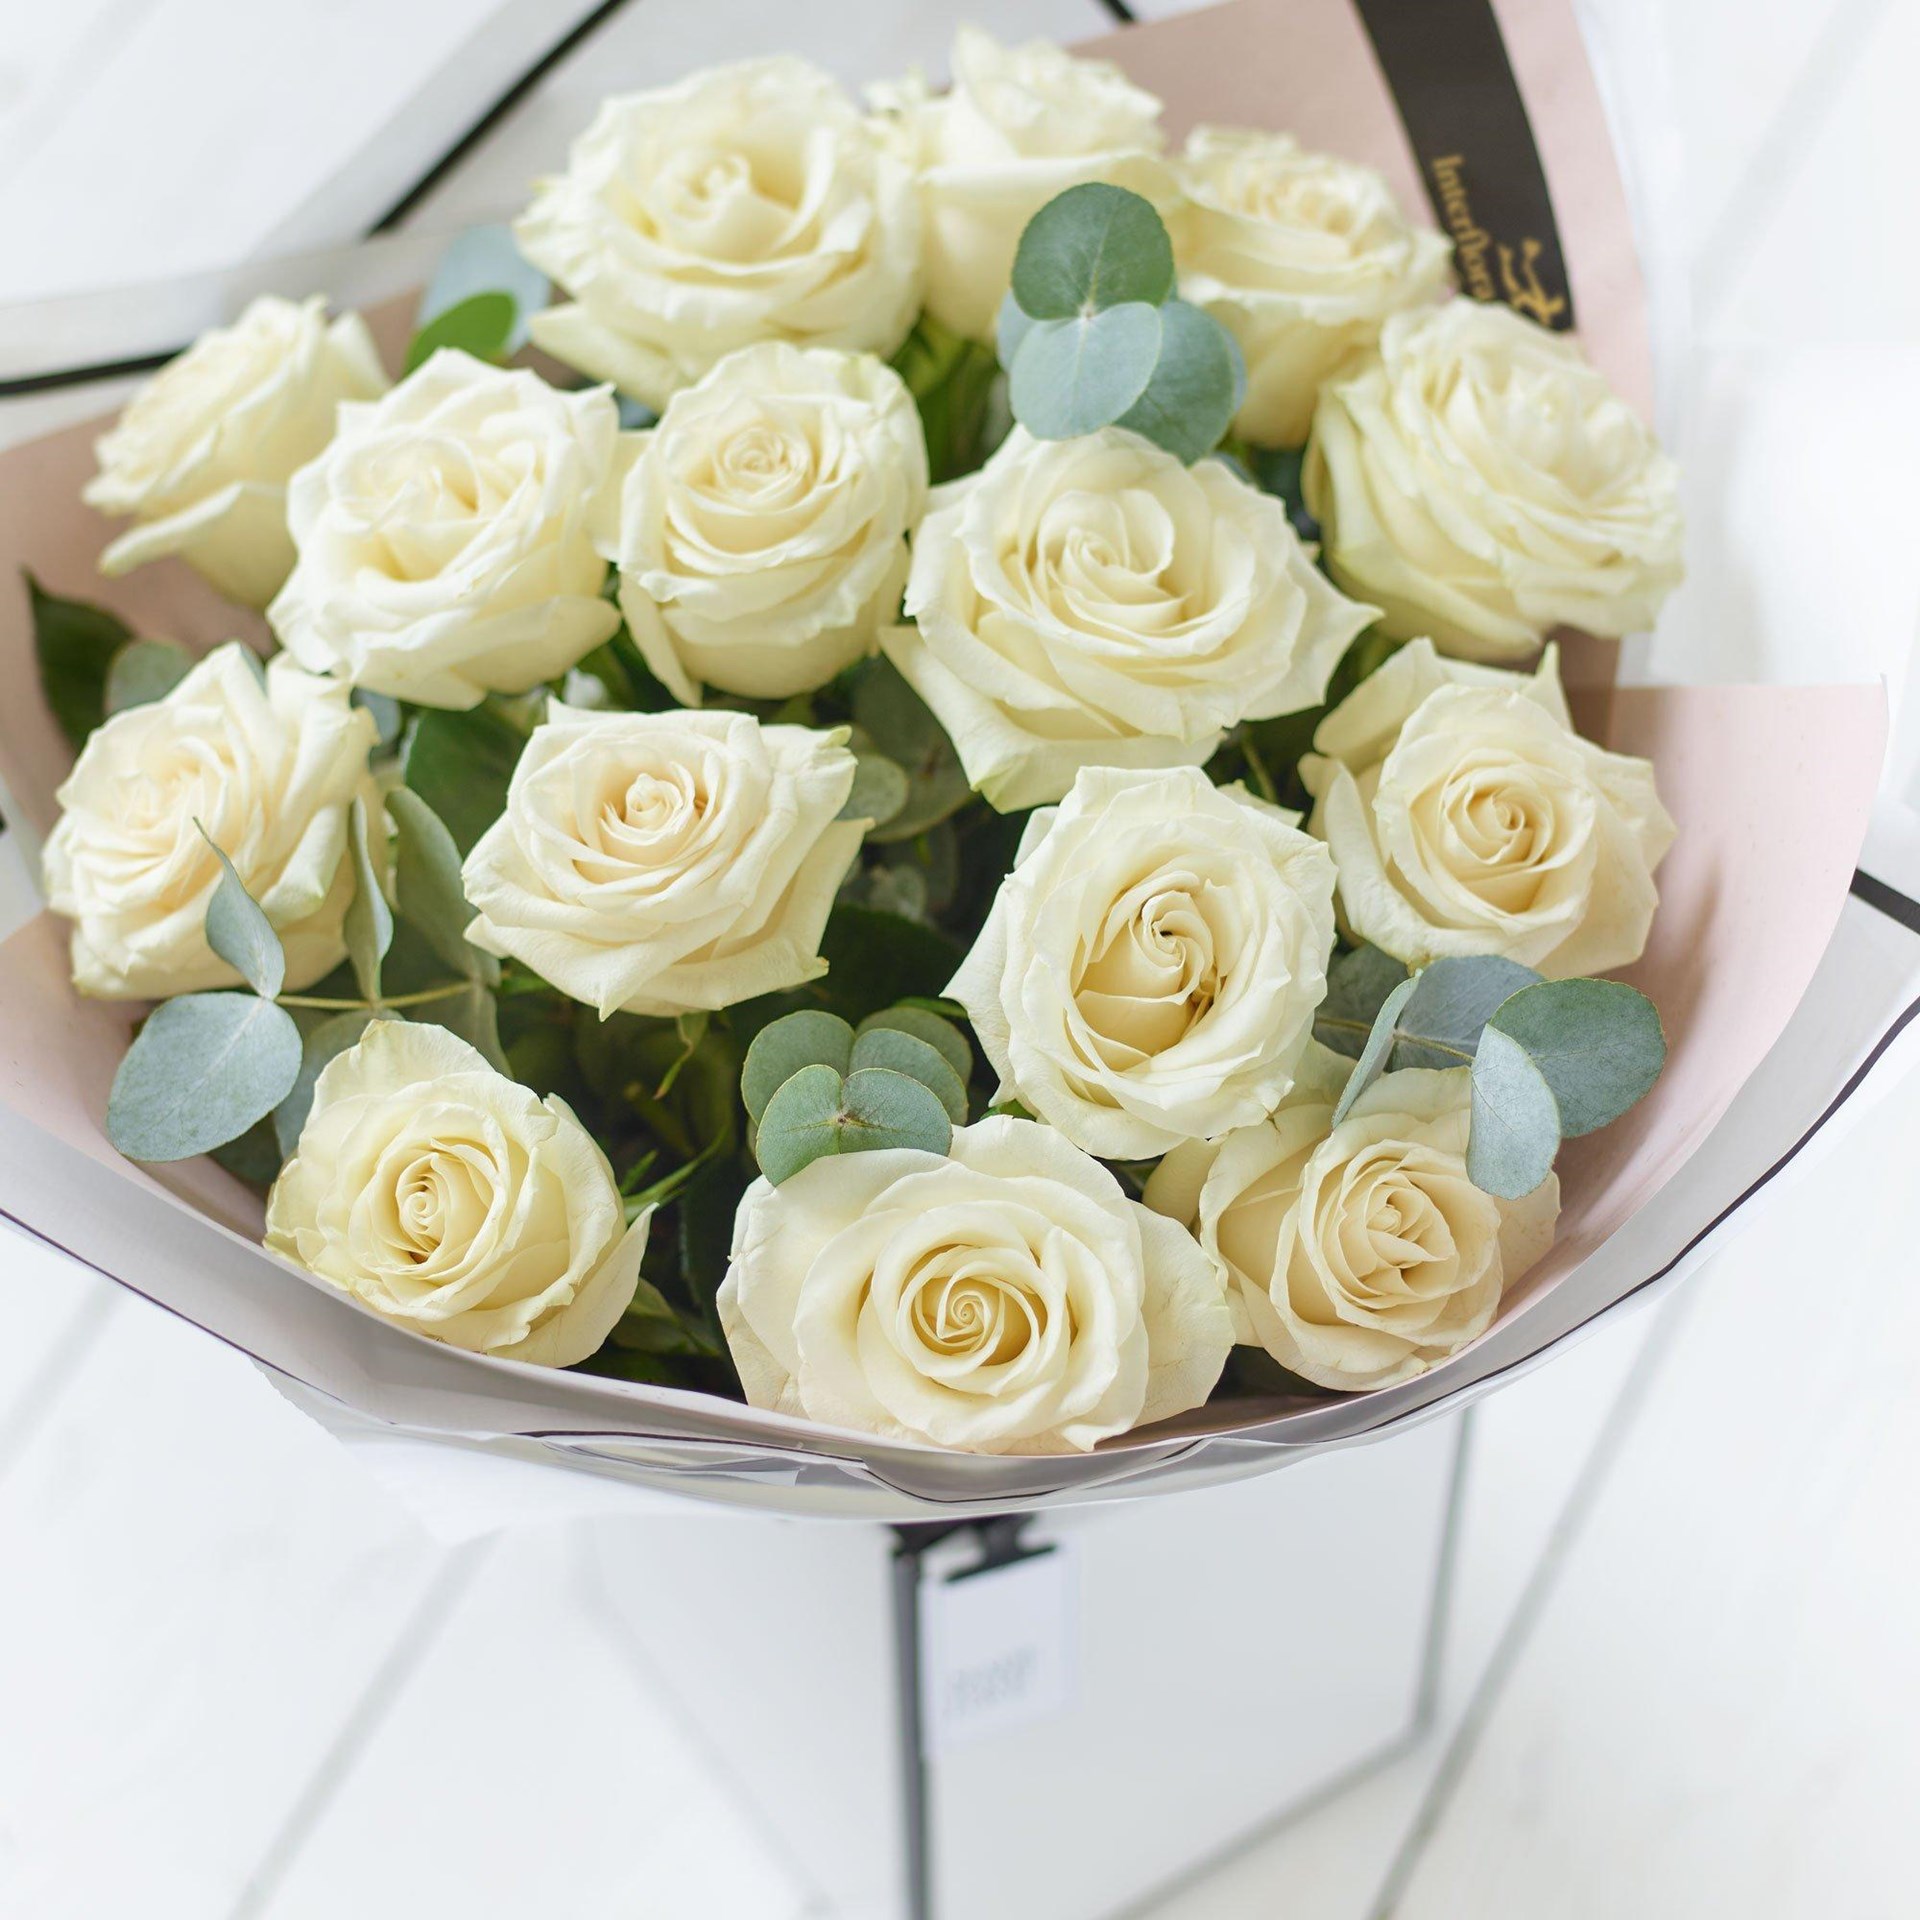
x,y
1524,291
1519,282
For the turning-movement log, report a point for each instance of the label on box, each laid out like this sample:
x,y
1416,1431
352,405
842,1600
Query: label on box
x,y
998,1648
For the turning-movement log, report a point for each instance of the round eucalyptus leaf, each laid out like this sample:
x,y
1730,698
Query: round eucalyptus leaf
x,y
1196,386
1091,247
201,1071
1597,1043
784,1047
938,1033
239,931
1456,997
1076,376
918,1060
880,789
485,259
901,725
1373,1056
144,671
1010,327
801,1122
1357,984
881,1108
1514,1130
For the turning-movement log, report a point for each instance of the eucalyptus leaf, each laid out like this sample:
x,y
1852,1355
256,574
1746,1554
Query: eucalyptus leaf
x,y
144,671
1357,986
1373,1056
331,1038
1095,246
1515,1125
1010,327
482,325
782,1049
201,1071
485,259
938,1032
901,1052
1597,1044
75,644
1075,376
880,790
901,726
876,960
460,764
1196,387
887,1109
431,897
384,710
1455,998
239,931
474,1015
369,921
801,1122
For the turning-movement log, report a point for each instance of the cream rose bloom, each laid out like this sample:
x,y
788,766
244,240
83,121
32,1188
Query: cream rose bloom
x,y
201,457
452,1201
1357,1255
1094,602
1020,125
1300,257
1006,1299
449,537
1481,483
1465,816
763,528
1150,968
270,770
744,203
663,862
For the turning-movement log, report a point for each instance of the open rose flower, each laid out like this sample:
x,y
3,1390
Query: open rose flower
x,y
268,769
663,862
1357,1255
1020,125
1093,602
201,457
1006,1299
455,1202
1300,256
763,527
1479,482
741,204
448,536
1150,968
1466,816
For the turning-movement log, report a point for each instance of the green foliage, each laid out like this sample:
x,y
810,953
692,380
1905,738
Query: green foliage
x,y
901,726
880,789
1198,382
482,325
1373,1053
144,671
875,959
430,894
369,921
239,931
1598,1045
789,1046
324,1041
951,379
935,1029
818,1112
76,645
904,1053
202,1070
1093,246
460,764
484,260
1515,1130
1075,376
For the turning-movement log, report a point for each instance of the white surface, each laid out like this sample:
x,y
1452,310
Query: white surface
x,y
1681,1677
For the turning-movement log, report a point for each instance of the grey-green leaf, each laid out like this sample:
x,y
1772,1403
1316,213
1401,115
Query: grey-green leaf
x,y
886,1109
1075,376
1597,1043
1357,986
1373,1056
144,671
1515,1125
1196,385
461,764
329,1039
369,921
201,1071
240,932
919,1060
937,1032
1010,327
1456,997
902,726
784,1047
485,259
474,1015
1093,246
879,791
801,1122
432,898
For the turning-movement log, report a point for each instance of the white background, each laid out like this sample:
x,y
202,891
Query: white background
x,y
1683,1678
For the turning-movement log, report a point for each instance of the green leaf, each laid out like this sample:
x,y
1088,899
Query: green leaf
x,y
1076,376
474,1015
1373,1056
1095,246
369,921
801,1122
1596,1043
253,1156
901,725
386,715
75,644
144,671
1197,384
331,1038
431,898
882,1108
937,1031
1357,987
951,379
481,325
782,1049
876,960
1455,998
1010,327
880,789
201,1071
240,932
485,259
1279,471
900,1052
1515,1126
460,764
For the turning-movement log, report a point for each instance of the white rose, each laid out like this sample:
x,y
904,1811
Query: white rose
x,y
1150,968
1357,1255
662,862
1007,1299
1465,816
1480,482
453,1201
201,457
1094,603
763,527
1020,125
269,771
745,203
1300,257
449,536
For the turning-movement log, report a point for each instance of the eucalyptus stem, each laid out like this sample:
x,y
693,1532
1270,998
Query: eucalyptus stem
x,y
321,1005
1364,1027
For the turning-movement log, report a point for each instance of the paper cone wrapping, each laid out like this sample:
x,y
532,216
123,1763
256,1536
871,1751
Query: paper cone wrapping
x,y
1771,789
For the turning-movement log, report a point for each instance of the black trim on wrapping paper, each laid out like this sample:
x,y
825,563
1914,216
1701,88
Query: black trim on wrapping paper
x,y
1121,11
1885,899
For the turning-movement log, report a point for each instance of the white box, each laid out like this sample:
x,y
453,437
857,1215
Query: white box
x,y
1145,1686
